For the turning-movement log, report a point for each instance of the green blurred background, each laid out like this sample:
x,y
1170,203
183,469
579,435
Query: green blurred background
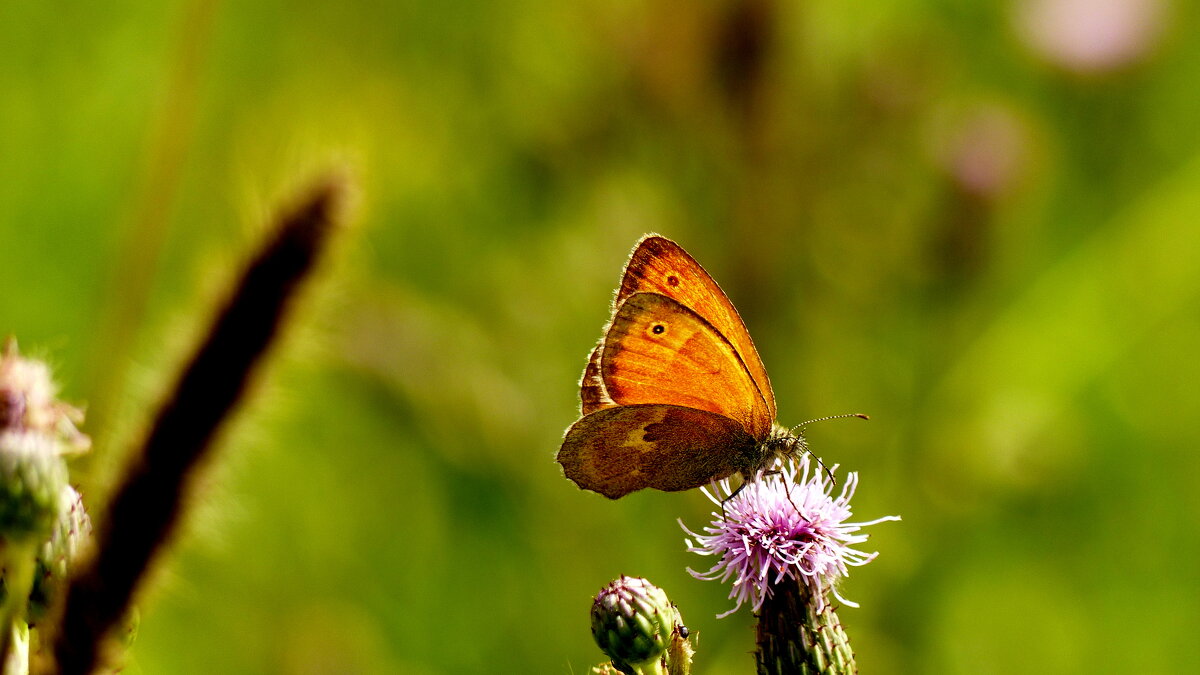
x,y
975,221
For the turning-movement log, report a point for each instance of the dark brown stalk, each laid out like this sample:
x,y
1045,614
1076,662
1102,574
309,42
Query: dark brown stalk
x,y
146,505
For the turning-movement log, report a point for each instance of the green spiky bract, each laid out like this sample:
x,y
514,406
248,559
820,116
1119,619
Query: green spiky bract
x,y
798,631
638,627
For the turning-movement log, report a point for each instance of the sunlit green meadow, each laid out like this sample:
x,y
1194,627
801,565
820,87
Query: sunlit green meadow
x,y
977,222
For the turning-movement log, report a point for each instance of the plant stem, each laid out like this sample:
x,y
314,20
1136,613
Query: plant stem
x,y
799,632
19,566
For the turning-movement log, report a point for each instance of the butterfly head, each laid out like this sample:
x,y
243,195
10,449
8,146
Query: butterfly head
x,y
783,443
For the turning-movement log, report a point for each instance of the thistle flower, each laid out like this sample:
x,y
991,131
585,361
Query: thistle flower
x,y
785,540
784,524
37,432
28,401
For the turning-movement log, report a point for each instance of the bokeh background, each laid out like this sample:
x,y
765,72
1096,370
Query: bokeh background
x,y
975,221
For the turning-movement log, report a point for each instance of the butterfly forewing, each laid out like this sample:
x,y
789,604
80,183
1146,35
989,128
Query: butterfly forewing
x,y
661,266
658,351
620,450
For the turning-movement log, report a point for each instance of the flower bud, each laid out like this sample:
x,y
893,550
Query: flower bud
x,y
634,623
68,540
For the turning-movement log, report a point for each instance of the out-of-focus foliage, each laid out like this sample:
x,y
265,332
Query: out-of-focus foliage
x,y
978,222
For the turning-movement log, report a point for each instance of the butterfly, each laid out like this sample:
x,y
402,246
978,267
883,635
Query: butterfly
x,y
675,395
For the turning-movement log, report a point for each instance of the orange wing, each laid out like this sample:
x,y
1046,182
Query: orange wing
x,y
658,351
624,449
661,266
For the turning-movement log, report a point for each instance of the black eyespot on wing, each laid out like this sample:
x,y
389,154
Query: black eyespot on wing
x,y
658,329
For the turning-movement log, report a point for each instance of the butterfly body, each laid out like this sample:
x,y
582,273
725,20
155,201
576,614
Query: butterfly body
x,y
675,395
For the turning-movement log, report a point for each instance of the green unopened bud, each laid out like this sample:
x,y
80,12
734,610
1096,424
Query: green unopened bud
x,y
636,625
32,478
71,535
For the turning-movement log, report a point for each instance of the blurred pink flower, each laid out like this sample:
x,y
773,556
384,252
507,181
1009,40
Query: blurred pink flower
x,y
1090,36
987,151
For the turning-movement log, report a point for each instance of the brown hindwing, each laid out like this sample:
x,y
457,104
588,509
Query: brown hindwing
x,y
620,450
592,395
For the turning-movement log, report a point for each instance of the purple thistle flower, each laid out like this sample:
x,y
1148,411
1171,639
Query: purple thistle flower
x,y
783,524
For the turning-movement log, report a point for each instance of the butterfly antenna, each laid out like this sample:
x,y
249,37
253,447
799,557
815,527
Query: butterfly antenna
x,y
802,425
861,416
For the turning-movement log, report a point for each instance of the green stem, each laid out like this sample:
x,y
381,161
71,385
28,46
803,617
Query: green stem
x,y
16,661
799,632
19,566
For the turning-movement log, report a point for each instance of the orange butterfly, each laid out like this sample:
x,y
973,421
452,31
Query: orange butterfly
x,y
675,395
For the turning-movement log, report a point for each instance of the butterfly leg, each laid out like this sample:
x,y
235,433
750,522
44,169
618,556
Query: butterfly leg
x,y
733,494
788,490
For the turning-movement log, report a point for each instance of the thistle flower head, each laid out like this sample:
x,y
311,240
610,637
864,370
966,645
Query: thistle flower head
x,y
28,401
783,524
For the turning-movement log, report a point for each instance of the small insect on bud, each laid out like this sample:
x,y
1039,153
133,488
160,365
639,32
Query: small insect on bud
x,y
636,625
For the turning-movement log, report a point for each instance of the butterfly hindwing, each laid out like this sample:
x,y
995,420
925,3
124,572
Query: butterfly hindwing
x,y
619,450
592,394
658,351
